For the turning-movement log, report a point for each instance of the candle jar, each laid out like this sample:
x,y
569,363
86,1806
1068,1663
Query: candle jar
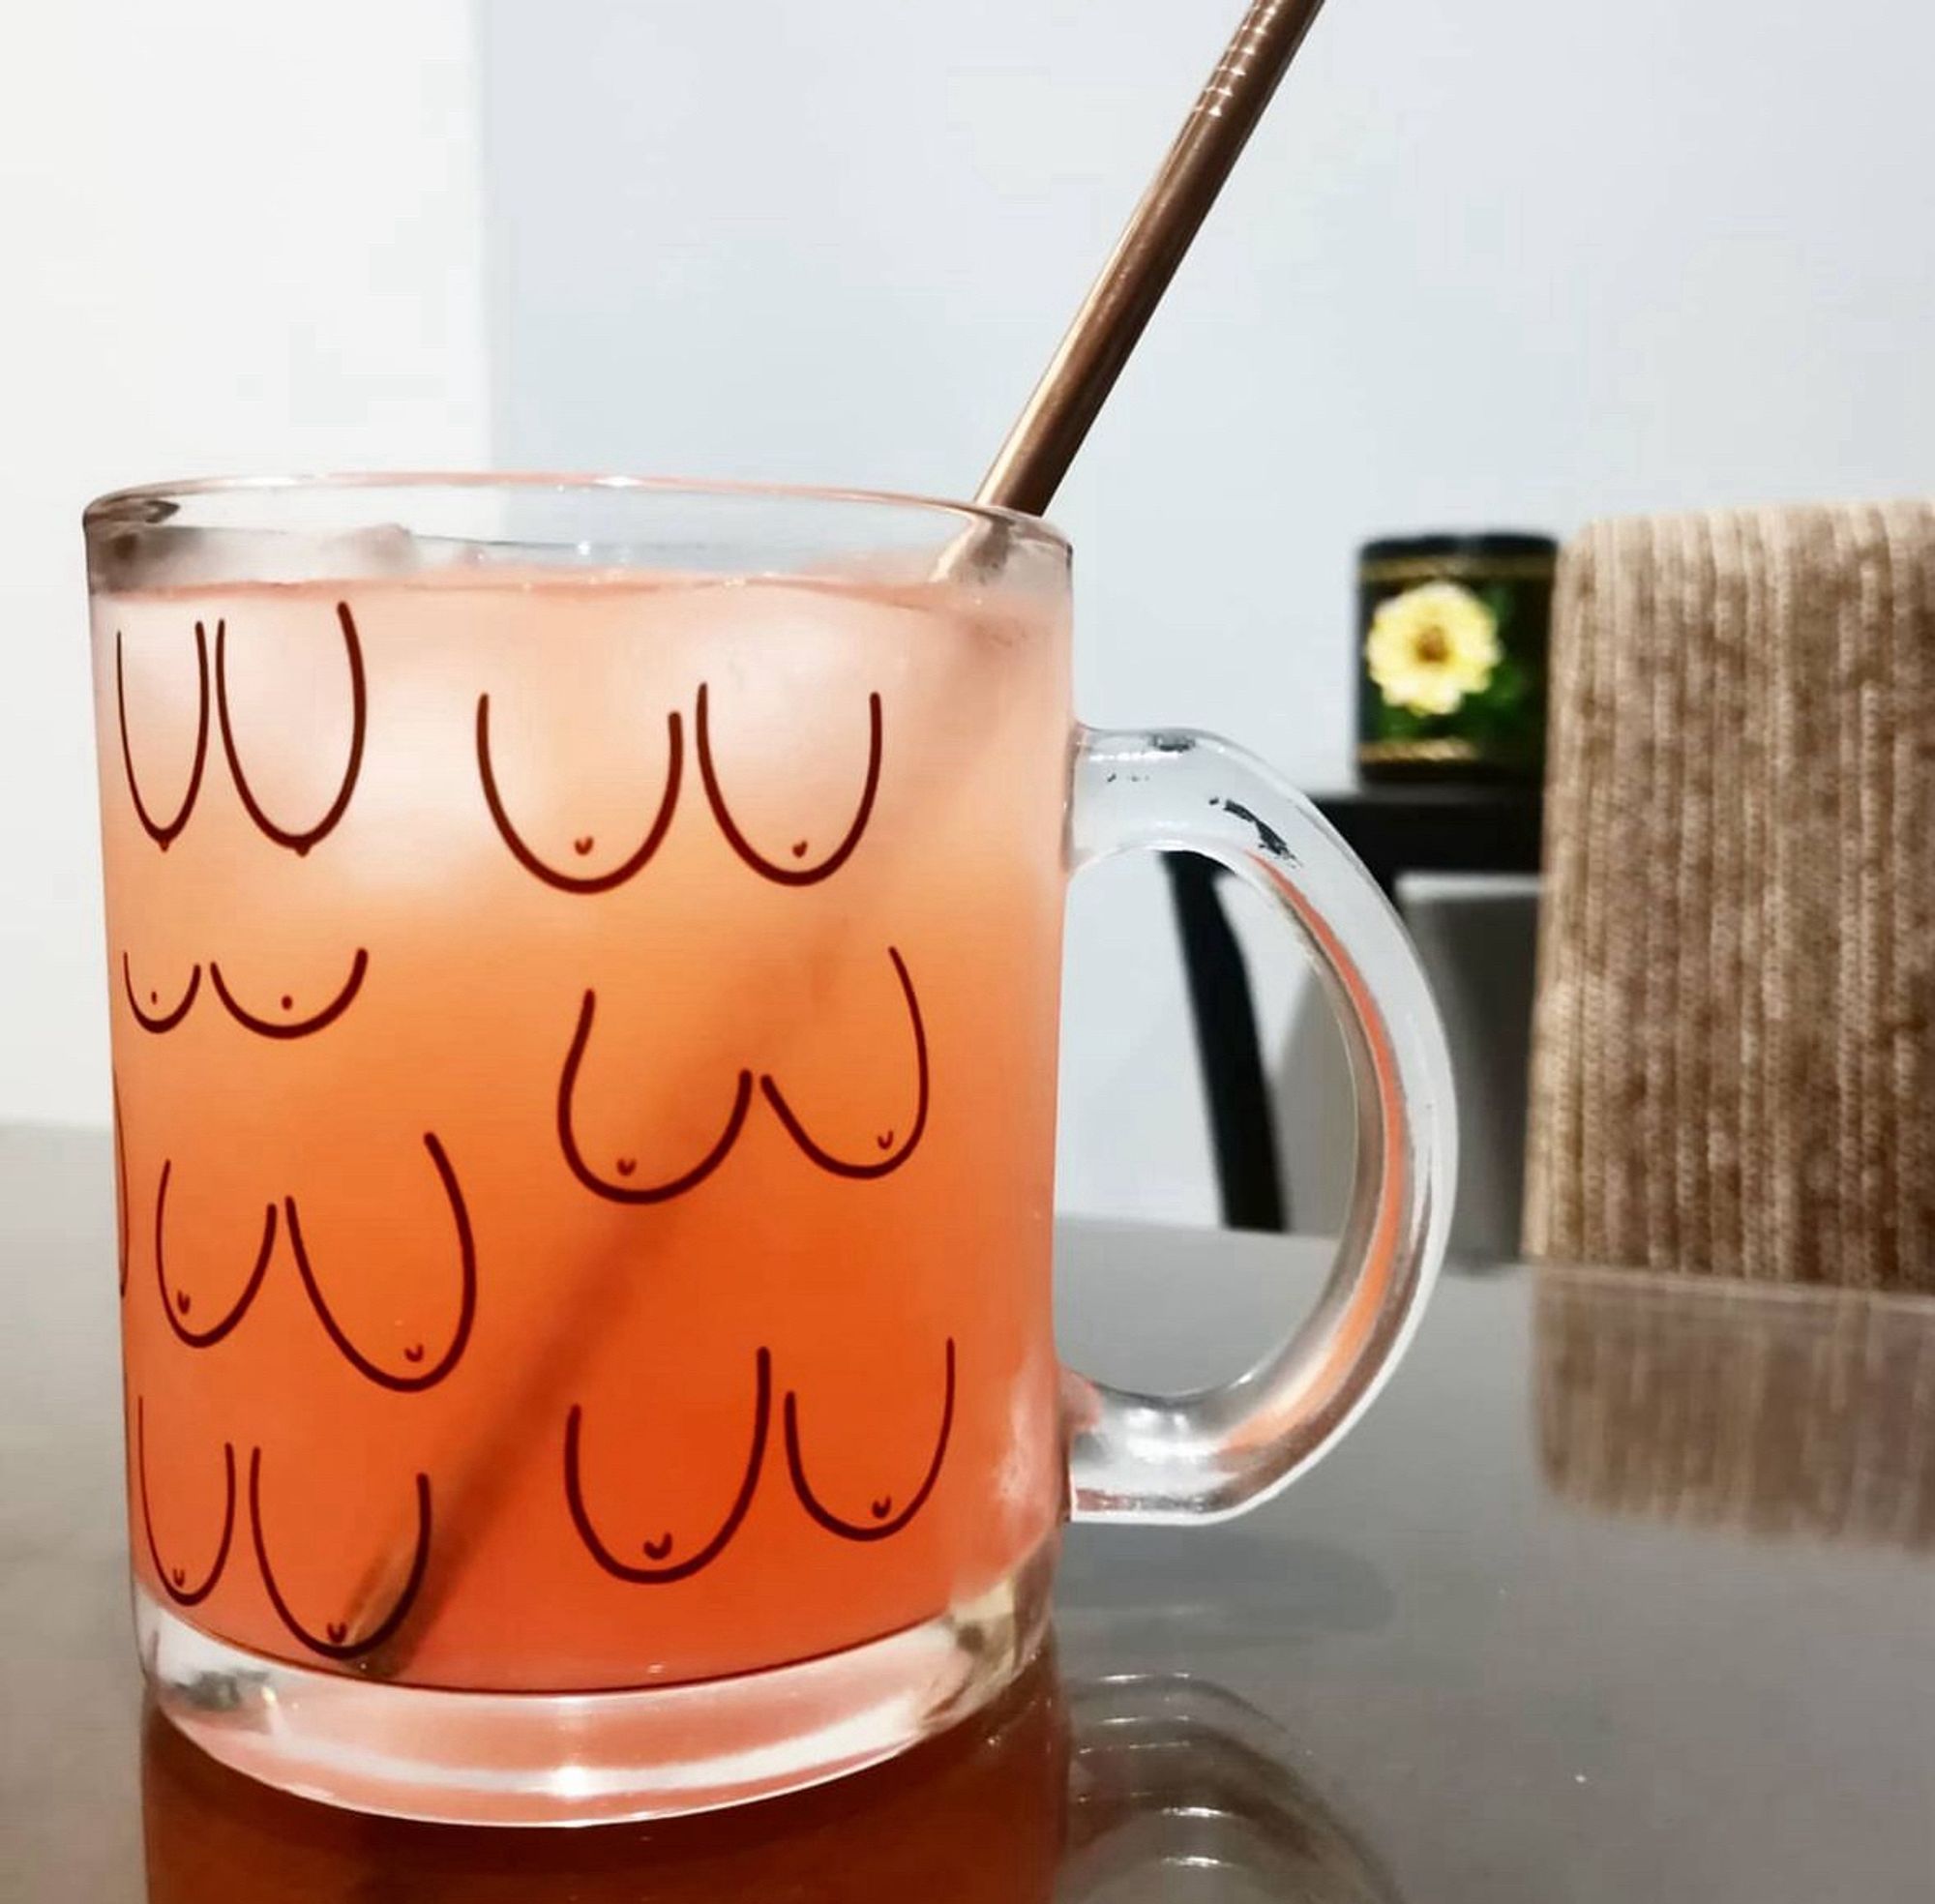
x,y
1451,645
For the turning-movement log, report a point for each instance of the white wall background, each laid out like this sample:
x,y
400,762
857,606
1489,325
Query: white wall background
x,y
235,236
1509,262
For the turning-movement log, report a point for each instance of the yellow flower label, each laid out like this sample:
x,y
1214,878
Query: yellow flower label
x,y
1431,647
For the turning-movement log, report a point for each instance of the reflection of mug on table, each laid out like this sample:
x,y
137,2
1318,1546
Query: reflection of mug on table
x,y
1177,1783
584,976
1124,1789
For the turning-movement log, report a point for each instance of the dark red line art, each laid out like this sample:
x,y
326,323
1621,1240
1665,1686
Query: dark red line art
x,y
120,1187
657,1550
180,1299
165,832
165,1021
300,1028
791,876
466,1313
298,841
629,1192
173,1580
881,1526
337,1645
591,882
881,1166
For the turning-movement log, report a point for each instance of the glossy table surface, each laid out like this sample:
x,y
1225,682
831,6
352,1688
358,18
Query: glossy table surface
x,y
1623,1591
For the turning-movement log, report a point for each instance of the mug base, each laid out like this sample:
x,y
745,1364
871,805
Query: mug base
x,y
597,1758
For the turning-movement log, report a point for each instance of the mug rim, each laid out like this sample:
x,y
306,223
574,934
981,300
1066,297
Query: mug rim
x,y
136,504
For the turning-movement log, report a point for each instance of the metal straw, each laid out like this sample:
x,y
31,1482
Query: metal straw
x,y
1037,453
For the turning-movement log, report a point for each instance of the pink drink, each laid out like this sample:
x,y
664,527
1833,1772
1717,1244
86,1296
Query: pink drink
x,y
586,1209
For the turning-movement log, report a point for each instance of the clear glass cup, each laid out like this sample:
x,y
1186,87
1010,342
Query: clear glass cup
x,y
584,959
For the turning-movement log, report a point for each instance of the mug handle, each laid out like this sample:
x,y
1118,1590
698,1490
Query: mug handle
x,y
1219,1452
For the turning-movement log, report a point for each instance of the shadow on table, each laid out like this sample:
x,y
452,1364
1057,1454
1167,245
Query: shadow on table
x,y
1788,1412
1125,1790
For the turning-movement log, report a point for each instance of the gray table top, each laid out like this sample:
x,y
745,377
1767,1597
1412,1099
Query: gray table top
x,y
1624,1590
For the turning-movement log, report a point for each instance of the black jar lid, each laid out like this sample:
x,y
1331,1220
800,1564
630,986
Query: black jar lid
x,y
1479,543
1490,555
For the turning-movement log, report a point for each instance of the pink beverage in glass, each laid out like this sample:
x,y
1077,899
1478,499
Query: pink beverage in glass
x,y
596,1121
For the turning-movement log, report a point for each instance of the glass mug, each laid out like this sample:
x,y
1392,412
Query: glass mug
x,y
584,962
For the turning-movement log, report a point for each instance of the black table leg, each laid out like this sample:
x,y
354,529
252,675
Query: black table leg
x,y
1242,1123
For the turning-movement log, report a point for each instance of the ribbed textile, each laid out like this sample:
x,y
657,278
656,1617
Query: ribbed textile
x,y
1733,1040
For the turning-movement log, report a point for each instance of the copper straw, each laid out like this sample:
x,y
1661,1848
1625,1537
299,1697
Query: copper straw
x,y
1024,476
1038,450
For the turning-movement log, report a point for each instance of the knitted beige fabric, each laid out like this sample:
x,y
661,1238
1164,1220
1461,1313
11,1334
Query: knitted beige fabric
x,y
1734,1043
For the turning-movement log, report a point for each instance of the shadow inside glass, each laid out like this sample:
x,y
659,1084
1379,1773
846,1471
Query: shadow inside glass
x,y
1122,1790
